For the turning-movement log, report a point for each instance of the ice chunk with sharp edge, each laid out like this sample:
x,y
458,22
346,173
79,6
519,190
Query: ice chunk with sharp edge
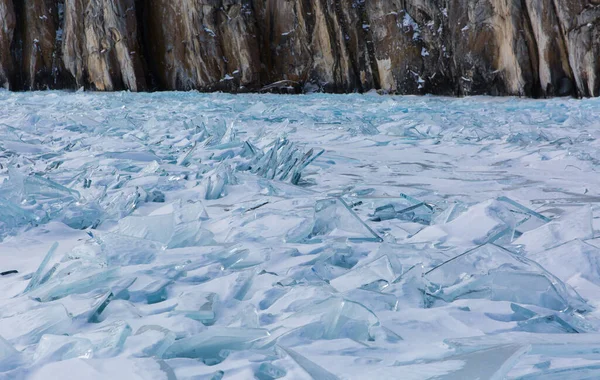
x,y
210,344
27,327
40,187
373,300
38,275
380,269
158,227
589,371
569,262
313,369
12,217
575,225
82,280
10,358
450,213
268,371
332,318
404,208
60,347
333,218
546,324
491,363
243,284
494,220
149,289
82,216
190,234
216,184
87,307
107,340
122,250
200,306
150,340
492,272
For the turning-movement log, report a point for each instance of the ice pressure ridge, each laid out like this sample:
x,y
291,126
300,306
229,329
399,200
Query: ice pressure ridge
x,y
209,236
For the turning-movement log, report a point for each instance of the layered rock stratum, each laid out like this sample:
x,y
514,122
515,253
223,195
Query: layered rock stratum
x,y
532,48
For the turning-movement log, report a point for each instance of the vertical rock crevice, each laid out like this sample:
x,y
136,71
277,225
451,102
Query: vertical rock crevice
x,y
8,23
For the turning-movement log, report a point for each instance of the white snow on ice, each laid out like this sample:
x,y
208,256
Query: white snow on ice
x,y
209,236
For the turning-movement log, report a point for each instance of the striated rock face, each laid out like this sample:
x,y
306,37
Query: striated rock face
x,y
450,47
101,44
7,31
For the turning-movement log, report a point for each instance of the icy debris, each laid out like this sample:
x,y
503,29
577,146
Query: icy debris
x,y
498,362
335,219
501,221
121,250
283,161
10,358
313,369
199,306
76,278
87,307
575,225
410,26
332,318
109,339
216,184
150,341
365,276
40,275
27,327
576,263
268,371
59,347
213,344
13,217
404,208
494,273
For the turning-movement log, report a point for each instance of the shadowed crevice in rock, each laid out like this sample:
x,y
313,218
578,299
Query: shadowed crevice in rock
x,y
446,47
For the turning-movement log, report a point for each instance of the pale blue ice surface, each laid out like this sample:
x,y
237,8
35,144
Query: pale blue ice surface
x,y
208,236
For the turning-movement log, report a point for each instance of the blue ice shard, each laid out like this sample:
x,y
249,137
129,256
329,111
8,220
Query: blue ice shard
x,y
60,347
313,369
333,318
268,371
107,340
379,269
334,219
27,327
13,216
121,250
10,358
490,363
200,306
492,272
574,225
213,344
39,273
216,184
150,340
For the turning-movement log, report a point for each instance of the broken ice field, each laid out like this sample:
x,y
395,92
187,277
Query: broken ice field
x,y
214,236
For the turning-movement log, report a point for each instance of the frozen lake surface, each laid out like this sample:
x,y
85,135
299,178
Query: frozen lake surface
x,y
209,236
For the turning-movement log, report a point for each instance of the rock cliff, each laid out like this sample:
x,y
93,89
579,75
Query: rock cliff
x,y
452,47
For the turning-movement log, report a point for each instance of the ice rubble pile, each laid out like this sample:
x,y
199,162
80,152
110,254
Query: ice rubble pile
x,y
220,243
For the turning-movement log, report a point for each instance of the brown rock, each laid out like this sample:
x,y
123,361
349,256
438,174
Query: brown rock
x,y
456,47
101,44
202,44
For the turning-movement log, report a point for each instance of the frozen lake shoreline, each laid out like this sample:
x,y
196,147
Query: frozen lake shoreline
x,y
267,236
